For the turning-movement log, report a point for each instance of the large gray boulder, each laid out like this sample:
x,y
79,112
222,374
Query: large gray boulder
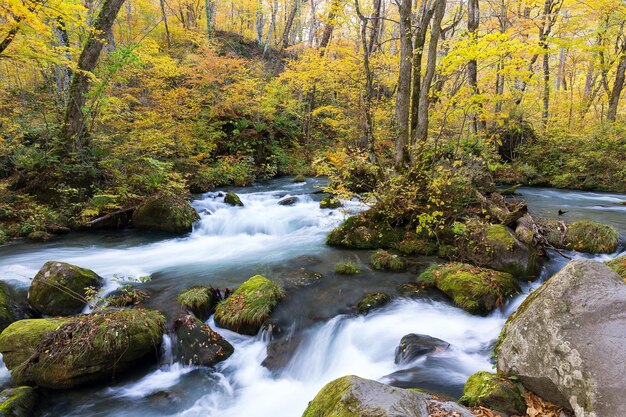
x,y
354,396
566,342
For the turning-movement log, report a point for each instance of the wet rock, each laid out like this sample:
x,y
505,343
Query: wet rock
x,y
363,232
127,297
511,190
201,301
583,236
165,215
18,402
413,346
68,352
474,289
249,306
232,199
347,268
560,340
60,289
503,396
618,265
288,201
117,220
10,308
280,351
198,344
384,261
299,178
412,244
351,396
330,202
372,301
300,277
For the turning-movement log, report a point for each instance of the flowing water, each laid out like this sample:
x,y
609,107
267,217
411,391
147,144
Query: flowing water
x,y
286,243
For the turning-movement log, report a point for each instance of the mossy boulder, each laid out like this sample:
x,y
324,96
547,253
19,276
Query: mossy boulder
x,y
68,352
8,306
201,301
330,202
363,232
347,268
199,345
583,236
411,244
127,297
484,389
232,199
18,402
384,261
249,306
351,396
372,301
60,289
618,265
474,289
299,178
165,215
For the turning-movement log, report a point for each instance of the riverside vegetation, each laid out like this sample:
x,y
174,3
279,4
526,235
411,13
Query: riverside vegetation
x,y
112,117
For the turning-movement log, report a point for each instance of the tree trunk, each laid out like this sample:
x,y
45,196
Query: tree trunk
x,y
63,73
473,21
403,97
424,17
209,9
288,24
260,23
546,88
618,85
74,126
272,26
167,27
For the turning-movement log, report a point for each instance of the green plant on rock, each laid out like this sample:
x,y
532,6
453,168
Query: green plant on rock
x,y
495,392
385,261
372,301
591,237
201,301
347,268
618,265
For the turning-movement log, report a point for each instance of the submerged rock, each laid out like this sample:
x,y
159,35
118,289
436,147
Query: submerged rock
x,y
412,346
198,344
201,301
351,396
232,199
60,289
583,236
372,301
618,265
249,306
347,268
474,289
383,260
562,340
503,396
288,201
165,215
69,352
18,402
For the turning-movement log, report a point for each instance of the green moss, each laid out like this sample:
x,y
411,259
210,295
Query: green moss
x,y
165,215
299,178
127,298
201,301
499,237
413,245
347,268
331,401
493,392
383,260
591,237
7,306
372,301
17,402
233,199
476,290
249,306
330,202
362,232
618,265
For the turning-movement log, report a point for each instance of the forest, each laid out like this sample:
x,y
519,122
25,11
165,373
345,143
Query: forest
x,y
265,191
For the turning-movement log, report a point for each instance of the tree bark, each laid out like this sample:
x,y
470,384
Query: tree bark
x,y
473,21
167,27
403,97
209,9
288,24
74,126
367,143
618,85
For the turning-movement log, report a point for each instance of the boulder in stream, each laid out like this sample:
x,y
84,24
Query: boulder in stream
x,y
618,265
330,202
495,392
10,309
288,201
566,339
474,289
384,261
18,402
232,199
198,344
363,232
165,215
201,301
249,306
372,301
352,396
69,352
583,236
413,346
60,289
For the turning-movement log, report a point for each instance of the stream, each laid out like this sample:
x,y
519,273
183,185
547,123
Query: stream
x,y
285,243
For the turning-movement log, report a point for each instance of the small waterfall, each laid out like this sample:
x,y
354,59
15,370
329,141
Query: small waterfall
x,y
167,346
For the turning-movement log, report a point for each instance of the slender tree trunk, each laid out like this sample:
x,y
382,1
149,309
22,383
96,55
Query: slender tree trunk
x,y
209,9
167,27
74,126
368,140
63,73
473,21
424,16
288,24
618,85
376,25
560,76
403,97
272,27
260,23
546,88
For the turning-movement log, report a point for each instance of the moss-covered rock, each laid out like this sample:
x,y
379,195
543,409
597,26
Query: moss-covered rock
x,y
165,215
8,306
363,232
299,178
201,301
60,289
351,396
347,268
385,261
249,306
18,402
126,298
232,199
330,202
372,301
197,344
69,352
618,265
411,244
484,389
476,290
583,236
